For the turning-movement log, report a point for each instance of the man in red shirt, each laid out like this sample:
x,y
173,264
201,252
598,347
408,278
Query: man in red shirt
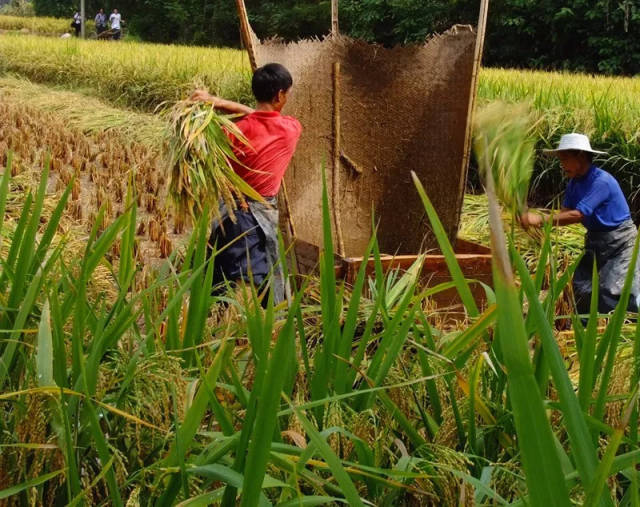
x,y
251,242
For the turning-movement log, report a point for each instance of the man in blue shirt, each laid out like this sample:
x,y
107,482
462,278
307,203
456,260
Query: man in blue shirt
x,y
594,198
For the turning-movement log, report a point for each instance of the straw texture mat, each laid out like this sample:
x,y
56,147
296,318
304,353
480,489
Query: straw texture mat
x,y
402,109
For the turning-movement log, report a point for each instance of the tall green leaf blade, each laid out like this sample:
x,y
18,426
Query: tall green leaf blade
x,y
32,483
51,229
584,452
613,332
540,459
338,471
325,360
587,356
127,259
350,323
266,415
4,191
447,250
44,355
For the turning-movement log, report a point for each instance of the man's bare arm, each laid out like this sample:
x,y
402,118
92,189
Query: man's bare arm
x,y
224,105
566,217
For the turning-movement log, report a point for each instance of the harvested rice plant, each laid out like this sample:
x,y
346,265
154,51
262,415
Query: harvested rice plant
x,y
125,380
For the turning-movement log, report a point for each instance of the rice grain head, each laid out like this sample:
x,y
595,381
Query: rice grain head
x,y
504,147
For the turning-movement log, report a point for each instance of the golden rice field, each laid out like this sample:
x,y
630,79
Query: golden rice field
x,y
137,75
604,108
124,381
39,25
142,76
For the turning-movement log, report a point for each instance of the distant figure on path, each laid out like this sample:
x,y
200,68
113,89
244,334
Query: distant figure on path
x,y
101,22
594,198
115,20
76,24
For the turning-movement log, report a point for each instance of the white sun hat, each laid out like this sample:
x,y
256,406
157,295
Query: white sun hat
x,y
574,142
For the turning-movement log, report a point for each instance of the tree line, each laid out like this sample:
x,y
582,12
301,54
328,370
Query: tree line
x,y
584,35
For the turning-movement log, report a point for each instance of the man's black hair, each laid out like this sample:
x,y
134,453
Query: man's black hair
x,y
268,80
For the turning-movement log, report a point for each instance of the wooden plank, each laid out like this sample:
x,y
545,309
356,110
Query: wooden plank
x,y
472,265
463,246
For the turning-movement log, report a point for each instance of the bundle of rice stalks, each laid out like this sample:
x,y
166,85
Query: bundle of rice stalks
x,y
155,229
474,226
504,147
201,173
165,245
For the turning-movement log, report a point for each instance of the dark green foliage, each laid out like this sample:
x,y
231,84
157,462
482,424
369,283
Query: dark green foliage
x,y
600,36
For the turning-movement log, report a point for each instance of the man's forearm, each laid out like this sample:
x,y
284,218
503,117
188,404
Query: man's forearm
x,y
225,105
566,217
232,107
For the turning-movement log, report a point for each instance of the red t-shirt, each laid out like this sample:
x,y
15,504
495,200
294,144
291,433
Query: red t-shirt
x,y
272,141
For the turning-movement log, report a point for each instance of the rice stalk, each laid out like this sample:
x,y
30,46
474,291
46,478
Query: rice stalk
x,y
202,174
504,145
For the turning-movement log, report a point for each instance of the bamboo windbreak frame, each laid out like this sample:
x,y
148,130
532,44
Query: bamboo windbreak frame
x,y
377,114
336,158
246,33
335,26
477,62
248,41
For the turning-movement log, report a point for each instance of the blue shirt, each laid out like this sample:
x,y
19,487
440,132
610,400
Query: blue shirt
x,y
598,196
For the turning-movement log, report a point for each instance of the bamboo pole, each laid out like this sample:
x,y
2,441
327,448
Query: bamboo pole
x,y
287,209
477,60
245,31
335,27
247,39
336,157
82,20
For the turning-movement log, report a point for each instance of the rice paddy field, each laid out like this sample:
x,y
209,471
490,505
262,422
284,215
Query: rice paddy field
x,y
605,108
38,25
124,381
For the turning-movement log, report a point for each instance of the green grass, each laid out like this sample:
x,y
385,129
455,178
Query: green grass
x,y
161,393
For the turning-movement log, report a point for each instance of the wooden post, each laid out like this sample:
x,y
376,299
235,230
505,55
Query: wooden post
x,y
245,30
82,19
247,39
336,157
335,27
477,60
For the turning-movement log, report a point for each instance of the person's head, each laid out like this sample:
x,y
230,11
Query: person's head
x,y
115,11
101,11
575,154
271,84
